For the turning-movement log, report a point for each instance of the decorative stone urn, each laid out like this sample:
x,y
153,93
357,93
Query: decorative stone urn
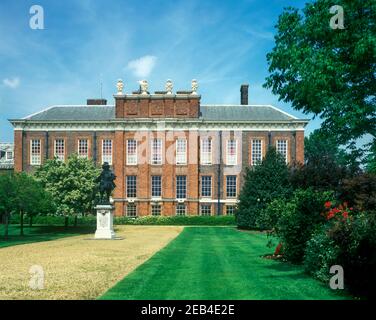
x,y
105,222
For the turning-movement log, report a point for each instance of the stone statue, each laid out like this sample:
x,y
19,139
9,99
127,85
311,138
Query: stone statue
x,y
194,86
144,86
169,86
120,86
106,183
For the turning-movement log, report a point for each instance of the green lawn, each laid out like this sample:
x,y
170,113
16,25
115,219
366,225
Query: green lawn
x,y
39,233
218,263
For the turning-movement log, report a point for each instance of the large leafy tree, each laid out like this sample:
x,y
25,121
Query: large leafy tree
x,y
328,72
7,195
263,183
326,163
72,184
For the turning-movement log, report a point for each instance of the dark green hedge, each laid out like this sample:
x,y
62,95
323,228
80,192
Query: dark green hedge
x,y
148,220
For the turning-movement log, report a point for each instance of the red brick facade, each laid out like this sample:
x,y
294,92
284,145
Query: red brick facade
x,y
158,109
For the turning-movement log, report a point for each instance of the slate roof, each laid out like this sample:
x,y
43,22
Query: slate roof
x,y
208,112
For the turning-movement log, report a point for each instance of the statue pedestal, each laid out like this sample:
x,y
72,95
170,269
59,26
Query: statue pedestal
x,y
105,219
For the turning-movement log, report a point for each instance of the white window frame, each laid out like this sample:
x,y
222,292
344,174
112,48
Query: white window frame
x,y
135,210
59,156
227,186
233,207
79,148
153,187
156,151
206,188
181,209
127,181
206,149
256,152
35,159
185,187
156,210
107,157
231,160
206,206
285,155
132,157
181,156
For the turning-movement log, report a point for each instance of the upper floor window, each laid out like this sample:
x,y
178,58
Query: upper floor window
x,y
206,151
156,186
83,148
282,148
107,151
206,186
35,152
256,156
231,186
131,152
131,186
60,149
156,151
181,187
231,152
181,151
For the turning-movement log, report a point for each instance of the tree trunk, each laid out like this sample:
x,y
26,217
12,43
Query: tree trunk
x,y
75,220
66,222
6,230
31,221
22,223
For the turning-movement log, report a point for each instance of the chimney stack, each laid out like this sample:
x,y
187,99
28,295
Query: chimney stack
x,y
244,94
96,102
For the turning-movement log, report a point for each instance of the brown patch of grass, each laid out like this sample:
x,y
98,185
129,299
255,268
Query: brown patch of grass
x,y
76,268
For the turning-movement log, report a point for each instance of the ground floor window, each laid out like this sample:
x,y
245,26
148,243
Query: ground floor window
x,y
230,210
156,210
131,210
205,210
181,210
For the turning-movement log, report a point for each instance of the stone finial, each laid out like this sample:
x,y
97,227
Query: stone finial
x,y
169,86
194,86
144,86
120,87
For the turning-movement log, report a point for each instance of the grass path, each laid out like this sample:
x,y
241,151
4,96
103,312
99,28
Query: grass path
x,y
77,268
39,233
217,263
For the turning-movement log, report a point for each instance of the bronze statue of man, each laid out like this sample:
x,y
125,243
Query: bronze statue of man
x,y
106,183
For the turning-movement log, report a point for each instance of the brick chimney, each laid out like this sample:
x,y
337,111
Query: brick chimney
x,y
96,102
244,94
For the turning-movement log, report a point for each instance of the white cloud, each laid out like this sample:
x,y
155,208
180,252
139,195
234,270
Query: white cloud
x,y
11,83
142,67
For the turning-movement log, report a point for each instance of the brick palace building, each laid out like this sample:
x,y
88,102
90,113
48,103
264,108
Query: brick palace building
x,y
171,155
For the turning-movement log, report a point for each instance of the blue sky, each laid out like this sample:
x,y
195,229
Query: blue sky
x,y
220,43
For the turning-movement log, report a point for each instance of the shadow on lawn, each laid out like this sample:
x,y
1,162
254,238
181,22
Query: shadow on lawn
x,y
41,233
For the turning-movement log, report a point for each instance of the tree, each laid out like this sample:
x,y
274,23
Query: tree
x,y
72,184
326,164
30,197
7,195
263,183
328,72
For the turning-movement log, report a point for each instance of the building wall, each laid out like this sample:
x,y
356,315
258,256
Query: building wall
x,y
218,170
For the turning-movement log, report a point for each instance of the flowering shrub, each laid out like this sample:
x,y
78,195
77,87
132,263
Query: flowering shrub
x,y
348,238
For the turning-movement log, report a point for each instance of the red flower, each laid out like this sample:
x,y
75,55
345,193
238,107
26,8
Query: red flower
x,y
328,204
351,208
345,214
330,215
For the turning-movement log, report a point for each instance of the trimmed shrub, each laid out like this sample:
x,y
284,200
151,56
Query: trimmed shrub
x,y
299,219
90,220
269,216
